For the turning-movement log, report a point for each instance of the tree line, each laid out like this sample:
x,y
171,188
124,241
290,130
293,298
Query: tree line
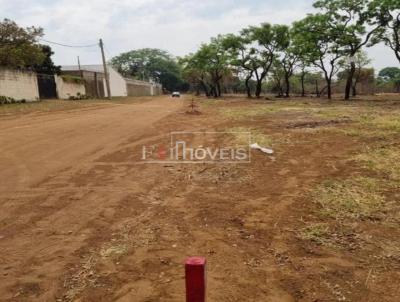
x,y
331,41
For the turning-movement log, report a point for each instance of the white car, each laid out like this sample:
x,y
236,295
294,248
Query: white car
x,y
176,94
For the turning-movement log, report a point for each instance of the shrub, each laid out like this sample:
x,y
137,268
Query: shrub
x,y
73,79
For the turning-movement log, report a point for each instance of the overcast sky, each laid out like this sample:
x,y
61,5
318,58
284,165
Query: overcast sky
x,y
178,26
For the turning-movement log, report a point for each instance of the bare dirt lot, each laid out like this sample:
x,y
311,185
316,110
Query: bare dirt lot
x,y
80,220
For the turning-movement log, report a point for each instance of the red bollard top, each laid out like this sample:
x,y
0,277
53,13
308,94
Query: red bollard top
x,y
200,261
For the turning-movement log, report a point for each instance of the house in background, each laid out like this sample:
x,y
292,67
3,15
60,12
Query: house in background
x,y
119,85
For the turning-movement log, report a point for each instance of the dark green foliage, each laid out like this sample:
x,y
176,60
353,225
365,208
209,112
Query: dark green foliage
x,y
8,100
18,47
47,66
390,76
150,64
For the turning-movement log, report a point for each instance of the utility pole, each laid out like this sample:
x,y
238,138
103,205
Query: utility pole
x,y
105,69
79,66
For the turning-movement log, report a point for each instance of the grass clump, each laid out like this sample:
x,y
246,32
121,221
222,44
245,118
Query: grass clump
x,y
359,198
381,160
318,233
114,251
249,112
241,136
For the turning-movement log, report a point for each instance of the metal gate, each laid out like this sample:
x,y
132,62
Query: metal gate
x,y
47,86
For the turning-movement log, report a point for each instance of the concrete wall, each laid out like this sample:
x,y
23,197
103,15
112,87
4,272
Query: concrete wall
x,y
157,89
94,82
140,88
19,85
117,83
67,89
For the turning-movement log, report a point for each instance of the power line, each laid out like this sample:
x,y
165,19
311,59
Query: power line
x,y
71,46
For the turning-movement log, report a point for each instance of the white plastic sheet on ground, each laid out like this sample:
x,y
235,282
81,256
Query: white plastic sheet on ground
x,y
262,149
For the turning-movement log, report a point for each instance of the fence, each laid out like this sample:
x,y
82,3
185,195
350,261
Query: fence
x,y
29,86
19,85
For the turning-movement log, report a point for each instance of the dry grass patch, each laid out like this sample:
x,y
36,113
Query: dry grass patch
x,y
240,136
316,232
251,111
114,251
382,160
258,110
359,198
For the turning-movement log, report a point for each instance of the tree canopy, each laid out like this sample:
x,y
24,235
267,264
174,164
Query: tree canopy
x,y
150,64
18,46
47,66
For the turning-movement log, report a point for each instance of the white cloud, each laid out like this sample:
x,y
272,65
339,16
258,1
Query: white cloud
x,y
178,26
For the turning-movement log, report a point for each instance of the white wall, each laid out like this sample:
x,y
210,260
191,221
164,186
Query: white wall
x,y
117,83
66,89
19,85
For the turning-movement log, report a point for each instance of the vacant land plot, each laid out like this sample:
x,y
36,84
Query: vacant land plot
x,y
80,220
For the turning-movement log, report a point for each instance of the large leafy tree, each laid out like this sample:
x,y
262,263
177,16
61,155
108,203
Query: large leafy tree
x,y
208,67
290,57
242,57
194,72
18,45
268,40
356,22
390,11
148,63
316,40
362,73
215,60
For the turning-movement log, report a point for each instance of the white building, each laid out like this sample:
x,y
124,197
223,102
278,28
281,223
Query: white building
x,y
119,85
117,81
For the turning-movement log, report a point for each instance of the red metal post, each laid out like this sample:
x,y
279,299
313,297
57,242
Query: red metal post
x,y
195,273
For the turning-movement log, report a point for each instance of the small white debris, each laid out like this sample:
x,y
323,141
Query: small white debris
x,y
262,149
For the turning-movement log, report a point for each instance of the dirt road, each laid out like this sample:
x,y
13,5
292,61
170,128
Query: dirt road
x,y
39,207
37,145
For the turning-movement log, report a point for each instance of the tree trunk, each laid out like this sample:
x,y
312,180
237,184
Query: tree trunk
x,y
213,91
248,88
329,88
287,82
354,88
258,88
219,93
204,86
317,88
350,81
303,89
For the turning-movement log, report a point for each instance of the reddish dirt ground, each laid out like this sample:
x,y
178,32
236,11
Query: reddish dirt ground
x,y
81,221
